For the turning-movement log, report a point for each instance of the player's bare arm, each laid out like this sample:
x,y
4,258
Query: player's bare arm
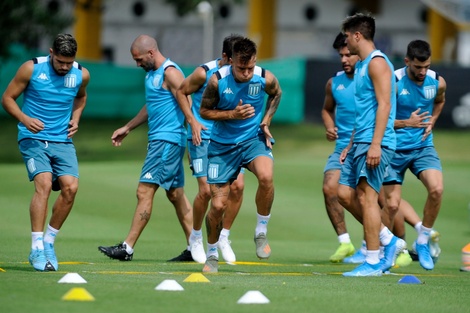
x,y
120,133
274,92
381,75
79,104
15,88
328,113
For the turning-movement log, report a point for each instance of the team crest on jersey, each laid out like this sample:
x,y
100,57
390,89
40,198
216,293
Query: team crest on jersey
x,y
70,81
254,89
429,92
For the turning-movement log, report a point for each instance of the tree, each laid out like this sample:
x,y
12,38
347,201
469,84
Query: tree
x,y
26,21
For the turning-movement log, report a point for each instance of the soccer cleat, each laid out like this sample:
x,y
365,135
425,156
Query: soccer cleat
x,y
365,269
37,259
391,252
434,248
117,252
356,258
425,259
50,255
403,259
197,249
263,250
185,256
211,265
226,249
344,250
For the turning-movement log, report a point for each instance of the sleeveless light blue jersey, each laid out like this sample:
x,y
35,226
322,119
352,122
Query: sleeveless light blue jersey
x,y
410,97
342,88
366,104
210,68
49,97
165,118
230,93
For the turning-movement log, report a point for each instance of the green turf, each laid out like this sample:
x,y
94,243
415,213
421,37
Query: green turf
x,y
297,277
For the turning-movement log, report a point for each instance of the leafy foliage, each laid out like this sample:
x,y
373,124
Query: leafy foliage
x,y
26,21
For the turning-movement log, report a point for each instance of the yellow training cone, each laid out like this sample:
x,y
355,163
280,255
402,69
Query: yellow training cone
x,y
196,278
78,294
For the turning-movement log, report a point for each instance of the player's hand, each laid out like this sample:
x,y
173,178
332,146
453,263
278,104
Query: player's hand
x,y
119,135
196,129
269,138
73,128
427,132
33,124
373,156
332,134
419,120
243,111
343,155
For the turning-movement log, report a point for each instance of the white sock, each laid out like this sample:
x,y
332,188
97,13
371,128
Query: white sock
x,y
37,240
196,233
50,234
212,250
372,257
423,235
418,227
224,233
385,236
128,248
344,238
262,224
364,247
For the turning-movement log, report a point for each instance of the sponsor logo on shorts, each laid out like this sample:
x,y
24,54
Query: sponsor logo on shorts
x,y
148,176
197,165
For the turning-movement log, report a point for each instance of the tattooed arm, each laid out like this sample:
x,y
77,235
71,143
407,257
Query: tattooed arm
x,y
273,89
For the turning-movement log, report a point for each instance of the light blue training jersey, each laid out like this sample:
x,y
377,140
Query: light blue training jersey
x,y
410,97
165,118
210,68
230,93
49,97
342,88
366,104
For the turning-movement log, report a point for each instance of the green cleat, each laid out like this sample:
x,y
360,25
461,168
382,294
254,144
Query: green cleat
x,y
344,250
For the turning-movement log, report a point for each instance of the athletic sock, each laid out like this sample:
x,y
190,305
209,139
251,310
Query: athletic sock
x,y
262,224
129,249
37,240
212,250
418,227
50,234
385,236
423,235
372,256
224,233
344,238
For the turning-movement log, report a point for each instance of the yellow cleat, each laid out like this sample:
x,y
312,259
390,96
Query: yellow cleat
x,y
344,250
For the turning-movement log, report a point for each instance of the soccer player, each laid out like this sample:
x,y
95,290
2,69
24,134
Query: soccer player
x,y
373,144
234,99
420,99
338,118
198,141
163,165
54,97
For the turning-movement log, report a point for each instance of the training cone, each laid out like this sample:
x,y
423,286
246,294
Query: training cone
x,y
78,294
170,285
409,279
466,258
196,278
253,297
72,278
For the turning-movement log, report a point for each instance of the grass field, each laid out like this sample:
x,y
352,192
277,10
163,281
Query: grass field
x,y
297,278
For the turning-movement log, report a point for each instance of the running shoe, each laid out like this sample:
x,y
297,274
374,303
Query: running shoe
x,y
117,252
37,258
365,269
211,265
344,250
263,250
50,255
185,256
226,249
197,249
